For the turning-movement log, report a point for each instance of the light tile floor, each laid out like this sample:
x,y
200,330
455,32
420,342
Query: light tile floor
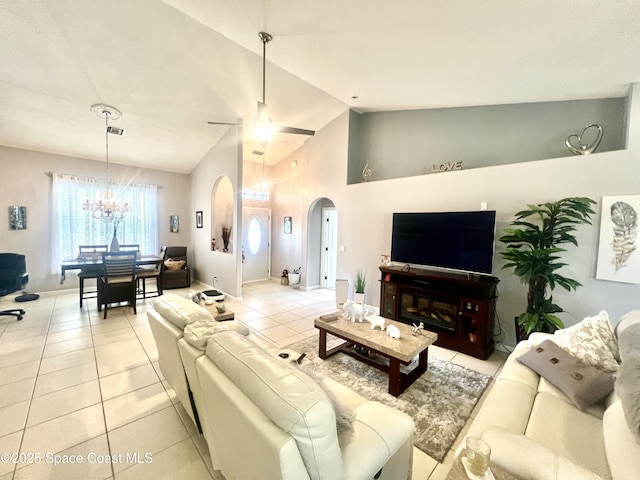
x,y
82,397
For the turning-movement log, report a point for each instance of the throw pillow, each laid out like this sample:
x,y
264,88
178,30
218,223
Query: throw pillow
x,y
592,342
628,388
585,385
628,334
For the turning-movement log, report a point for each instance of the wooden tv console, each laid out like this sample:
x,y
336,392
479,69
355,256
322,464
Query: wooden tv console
x,y
459,307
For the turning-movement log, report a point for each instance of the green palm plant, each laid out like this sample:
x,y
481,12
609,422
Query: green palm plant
x,y
361,281
533,253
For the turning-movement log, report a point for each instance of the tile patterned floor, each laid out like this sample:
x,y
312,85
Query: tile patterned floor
x,y
76,388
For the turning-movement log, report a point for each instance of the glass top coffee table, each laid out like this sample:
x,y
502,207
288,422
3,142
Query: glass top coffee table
x,y
360,340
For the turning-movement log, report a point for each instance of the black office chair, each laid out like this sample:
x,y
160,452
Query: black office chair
x,y
13,277
118,281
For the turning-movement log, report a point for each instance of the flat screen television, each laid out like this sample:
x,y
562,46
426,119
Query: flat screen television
x,y
451,240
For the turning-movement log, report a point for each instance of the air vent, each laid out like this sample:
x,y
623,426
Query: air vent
x,y
116,130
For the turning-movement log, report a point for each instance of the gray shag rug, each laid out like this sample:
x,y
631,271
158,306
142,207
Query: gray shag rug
x,y
440,401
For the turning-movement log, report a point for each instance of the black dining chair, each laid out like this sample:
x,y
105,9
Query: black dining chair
x,y
143,273
89,252
130,247
118,281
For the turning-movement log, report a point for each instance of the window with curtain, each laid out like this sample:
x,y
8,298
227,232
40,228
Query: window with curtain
x,y
73,226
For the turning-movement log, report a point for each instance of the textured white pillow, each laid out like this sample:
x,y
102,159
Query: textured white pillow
x,y
591,341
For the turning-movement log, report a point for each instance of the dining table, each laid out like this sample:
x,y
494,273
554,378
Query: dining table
x,y
94,263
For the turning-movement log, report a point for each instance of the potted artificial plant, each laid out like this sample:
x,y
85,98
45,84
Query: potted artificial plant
x,y
532,251
294,276
361,283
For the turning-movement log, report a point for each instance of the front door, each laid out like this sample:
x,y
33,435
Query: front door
x,y
256,244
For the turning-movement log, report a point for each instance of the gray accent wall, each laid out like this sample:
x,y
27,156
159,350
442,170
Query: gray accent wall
x,y
408,143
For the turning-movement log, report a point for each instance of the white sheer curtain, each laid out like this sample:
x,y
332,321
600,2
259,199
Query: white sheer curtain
x,y
73,226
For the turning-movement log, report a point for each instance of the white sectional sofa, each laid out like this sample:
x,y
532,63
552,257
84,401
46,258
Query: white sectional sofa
x,y
538,431
268,417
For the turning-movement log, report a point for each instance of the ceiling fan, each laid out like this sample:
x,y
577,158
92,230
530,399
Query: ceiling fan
x,y
263,125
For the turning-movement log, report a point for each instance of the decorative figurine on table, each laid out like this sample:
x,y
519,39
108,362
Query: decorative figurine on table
x,y
374,320
416,328
393,331
352,310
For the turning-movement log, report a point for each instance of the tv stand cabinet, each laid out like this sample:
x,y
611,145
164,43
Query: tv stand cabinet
x,y
458,307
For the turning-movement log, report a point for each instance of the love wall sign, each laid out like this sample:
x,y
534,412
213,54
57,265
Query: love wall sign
x,y
446,167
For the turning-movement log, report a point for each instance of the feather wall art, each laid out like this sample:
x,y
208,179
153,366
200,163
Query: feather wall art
x,y
618,256
624,219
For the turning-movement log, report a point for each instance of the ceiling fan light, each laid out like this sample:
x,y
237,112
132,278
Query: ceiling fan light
x,y
263,131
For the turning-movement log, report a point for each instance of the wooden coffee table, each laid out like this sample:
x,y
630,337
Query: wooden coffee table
x,y
361,339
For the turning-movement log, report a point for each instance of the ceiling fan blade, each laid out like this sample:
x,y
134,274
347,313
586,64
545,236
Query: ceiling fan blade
x,y
230,123
294,130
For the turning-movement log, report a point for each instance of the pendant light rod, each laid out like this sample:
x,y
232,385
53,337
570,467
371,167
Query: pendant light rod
x,y
107,207
106,142
266,38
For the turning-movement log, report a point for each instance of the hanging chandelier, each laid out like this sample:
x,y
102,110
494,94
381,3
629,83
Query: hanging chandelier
x,y
264,186
107,207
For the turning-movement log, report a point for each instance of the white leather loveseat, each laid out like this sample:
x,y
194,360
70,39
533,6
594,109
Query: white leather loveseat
x,y
264,416
537,431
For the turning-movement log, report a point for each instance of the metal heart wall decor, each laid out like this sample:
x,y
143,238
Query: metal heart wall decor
x,y
574,142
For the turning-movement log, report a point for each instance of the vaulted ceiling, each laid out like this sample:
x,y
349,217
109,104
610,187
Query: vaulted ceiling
x,y
170,66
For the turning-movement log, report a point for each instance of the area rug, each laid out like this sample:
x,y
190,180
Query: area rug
x,y
440,401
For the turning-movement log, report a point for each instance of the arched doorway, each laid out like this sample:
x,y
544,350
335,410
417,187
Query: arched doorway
x,y
322,244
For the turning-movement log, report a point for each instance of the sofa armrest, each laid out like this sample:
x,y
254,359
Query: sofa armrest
x,y
623,450
377,435
526,458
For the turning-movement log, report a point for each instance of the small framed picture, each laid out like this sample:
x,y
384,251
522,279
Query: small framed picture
x,y
287,224
17,218
174,224
199,219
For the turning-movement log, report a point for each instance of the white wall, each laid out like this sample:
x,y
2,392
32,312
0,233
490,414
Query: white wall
x,y
24,182
225,158
365,213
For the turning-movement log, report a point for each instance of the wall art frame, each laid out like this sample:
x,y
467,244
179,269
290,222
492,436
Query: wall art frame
x,y
174,224
618,247
287,225
17,218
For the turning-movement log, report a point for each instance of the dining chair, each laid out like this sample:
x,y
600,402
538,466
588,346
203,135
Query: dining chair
x,y
131,247
143,273
90,252
118,281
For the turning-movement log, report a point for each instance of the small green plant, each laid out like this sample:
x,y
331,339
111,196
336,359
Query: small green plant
x,y
533,253
361,281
